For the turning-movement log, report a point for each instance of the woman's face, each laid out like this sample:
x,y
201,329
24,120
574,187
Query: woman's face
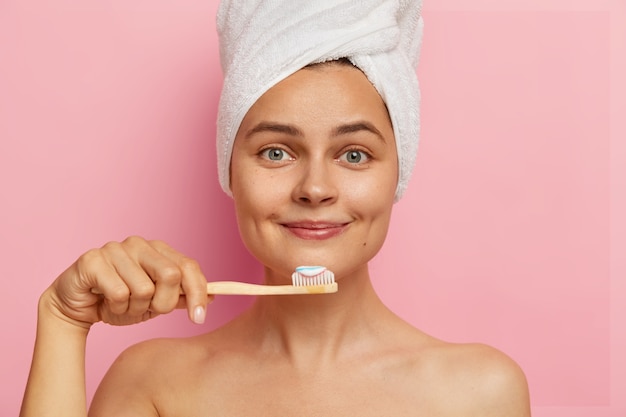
x,y
314,172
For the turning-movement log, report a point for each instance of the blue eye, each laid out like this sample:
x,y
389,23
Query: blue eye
x,y
355,157
275,154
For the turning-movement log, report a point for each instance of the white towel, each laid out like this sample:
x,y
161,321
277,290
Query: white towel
x,y
263,42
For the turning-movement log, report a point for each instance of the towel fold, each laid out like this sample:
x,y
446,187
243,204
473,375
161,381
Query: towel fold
x,y
262,42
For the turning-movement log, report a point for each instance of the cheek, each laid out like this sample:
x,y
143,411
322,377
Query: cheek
x,y
242,185
256,200
373,192
248,212
372,202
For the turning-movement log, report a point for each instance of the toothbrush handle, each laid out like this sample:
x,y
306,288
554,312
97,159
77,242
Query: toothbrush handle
x,y
244,288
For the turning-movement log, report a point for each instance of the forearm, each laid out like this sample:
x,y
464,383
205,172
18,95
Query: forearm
x,y
56,384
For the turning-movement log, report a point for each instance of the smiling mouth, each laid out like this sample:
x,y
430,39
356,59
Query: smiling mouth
x,y
314,230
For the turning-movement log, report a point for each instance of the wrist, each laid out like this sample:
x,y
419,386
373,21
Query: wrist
x,y
51,313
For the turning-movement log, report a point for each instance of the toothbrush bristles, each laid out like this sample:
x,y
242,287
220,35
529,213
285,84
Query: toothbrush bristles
x,y
324,278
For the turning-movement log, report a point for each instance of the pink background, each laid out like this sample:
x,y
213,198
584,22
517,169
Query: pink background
x,y
512,232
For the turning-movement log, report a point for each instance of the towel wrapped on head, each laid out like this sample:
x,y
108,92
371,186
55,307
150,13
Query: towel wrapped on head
x,y
262,42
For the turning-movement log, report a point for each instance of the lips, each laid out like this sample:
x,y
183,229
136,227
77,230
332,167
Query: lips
x,y
315,230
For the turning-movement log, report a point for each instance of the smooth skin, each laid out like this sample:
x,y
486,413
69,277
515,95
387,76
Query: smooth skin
x,y
314,171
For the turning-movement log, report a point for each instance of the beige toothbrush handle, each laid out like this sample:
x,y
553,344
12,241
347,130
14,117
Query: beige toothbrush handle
x,y
244,288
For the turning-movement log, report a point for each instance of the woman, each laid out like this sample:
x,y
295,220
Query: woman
x,y
315,168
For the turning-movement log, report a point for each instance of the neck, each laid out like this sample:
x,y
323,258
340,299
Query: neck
x,y
319,328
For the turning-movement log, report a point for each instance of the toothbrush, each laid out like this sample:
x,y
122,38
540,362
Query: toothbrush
x,y
305,280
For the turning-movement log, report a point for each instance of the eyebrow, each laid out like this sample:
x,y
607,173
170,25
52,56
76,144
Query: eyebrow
x,y
357,127
275,128
292,130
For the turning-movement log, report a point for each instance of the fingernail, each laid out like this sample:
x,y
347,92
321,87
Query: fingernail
x,y
198,315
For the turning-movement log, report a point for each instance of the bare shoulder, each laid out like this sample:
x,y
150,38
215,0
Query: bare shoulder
x,y
135,379
477,379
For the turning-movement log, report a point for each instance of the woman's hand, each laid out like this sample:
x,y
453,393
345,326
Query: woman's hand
x,y
136,280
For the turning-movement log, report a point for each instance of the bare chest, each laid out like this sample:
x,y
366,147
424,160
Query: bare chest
x,y
260,402
273,394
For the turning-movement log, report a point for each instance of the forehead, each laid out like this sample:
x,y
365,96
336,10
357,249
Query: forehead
x,y
321,92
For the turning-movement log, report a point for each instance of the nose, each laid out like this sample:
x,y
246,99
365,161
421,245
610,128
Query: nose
x,y
316,185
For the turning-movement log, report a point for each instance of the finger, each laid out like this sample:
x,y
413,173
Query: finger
x,y
193,282
96,272
164,274
140,285
182,301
